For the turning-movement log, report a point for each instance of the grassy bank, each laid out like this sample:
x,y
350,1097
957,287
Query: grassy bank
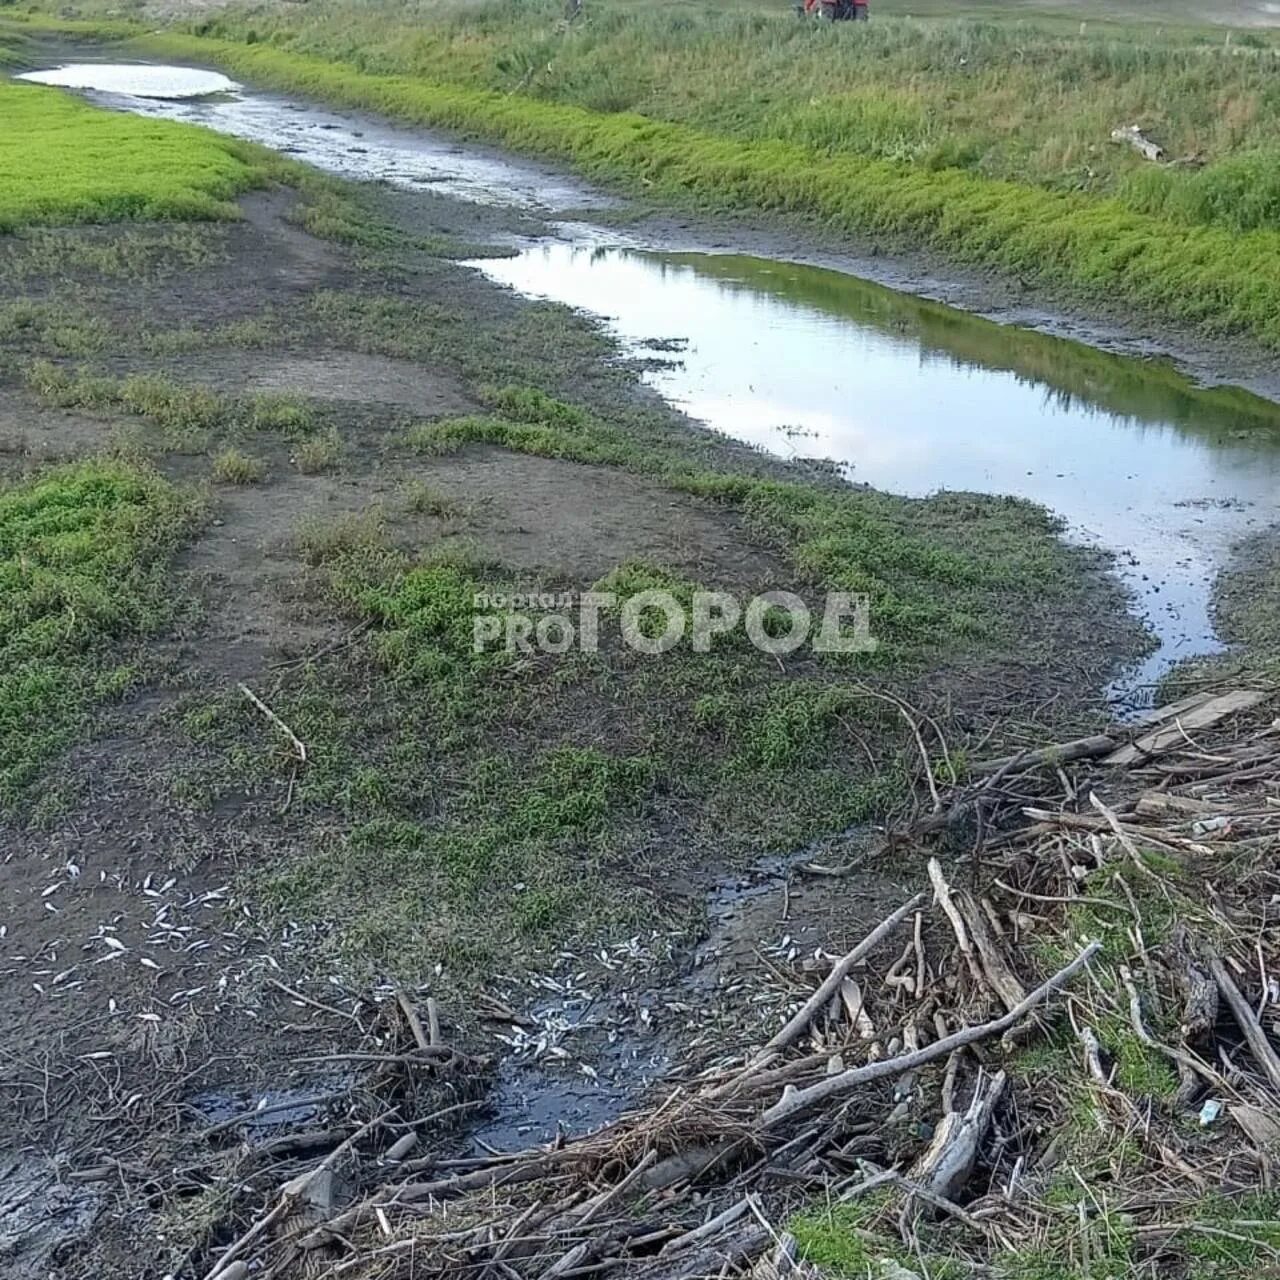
x,y
62,161
987,142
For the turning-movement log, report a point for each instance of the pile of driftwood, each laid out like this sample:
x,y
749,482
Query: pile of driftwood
x,y
1118,892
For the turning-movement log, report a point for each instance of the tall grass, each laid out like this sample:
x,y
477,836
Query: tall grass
x,y
1097,247
1001,96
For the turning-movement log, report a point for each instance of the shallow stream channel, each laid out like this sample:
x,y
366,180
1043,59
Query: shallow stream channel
x,y
902,393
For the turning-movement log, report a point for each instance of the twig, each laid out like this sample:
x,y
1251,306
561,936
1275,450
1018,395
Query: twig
x,y
1187,1060
299,749
415,1023
293,1104
315,1004
1121,834
942,896
939,1202
344,642
708,1228
290,1194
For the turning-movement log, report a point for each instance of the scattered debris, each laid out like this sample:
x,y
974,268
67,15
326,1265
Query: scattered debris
x,y
1133,136
1094,900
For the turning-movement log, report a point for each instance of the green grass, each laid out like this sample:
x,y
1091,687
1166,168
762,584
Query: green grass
x,y
84,551
63,161
318,453
232,466
188,417
1006,93
984,140
471,807
135,253
472,804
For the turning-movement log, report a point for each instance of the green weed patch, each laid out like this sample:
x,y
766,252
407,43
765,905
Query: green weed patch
x,y
187,417
83,558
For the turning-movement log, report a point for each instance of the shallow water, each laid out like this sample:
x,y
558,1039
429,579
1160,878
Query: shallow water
x,y
908,395
913,397
137,80
364,149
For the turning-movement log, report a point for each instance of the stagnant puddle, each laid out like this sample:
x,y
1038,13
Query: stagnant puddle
x,y
907,395
913,396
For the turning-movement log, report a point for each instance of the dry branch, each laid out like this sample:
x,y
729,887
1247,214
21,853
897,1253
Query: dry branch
x,y
831,984
299,749
798,1100
1259,1045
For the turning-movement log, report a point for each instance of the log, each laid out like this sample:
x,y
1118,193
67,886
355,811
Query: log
x,y
948,1163
1132,136
1060,753
1000,977
1160,804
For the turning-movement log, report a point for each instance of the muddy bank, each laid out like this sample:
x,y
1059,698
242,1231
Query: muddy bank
x,y
188,908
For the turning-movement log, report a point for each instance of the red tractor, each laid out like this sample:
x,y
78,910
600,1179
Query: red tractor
x,y
833,10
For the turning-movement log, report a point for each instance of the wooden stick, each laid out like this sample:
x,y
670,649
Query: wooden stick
x,y
794,1101
315,1004
831,985
1080,749
1121,834
1185,1060
593,1210
1263,1052
294,741
246,1117
708,1228
415,1022
942,896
